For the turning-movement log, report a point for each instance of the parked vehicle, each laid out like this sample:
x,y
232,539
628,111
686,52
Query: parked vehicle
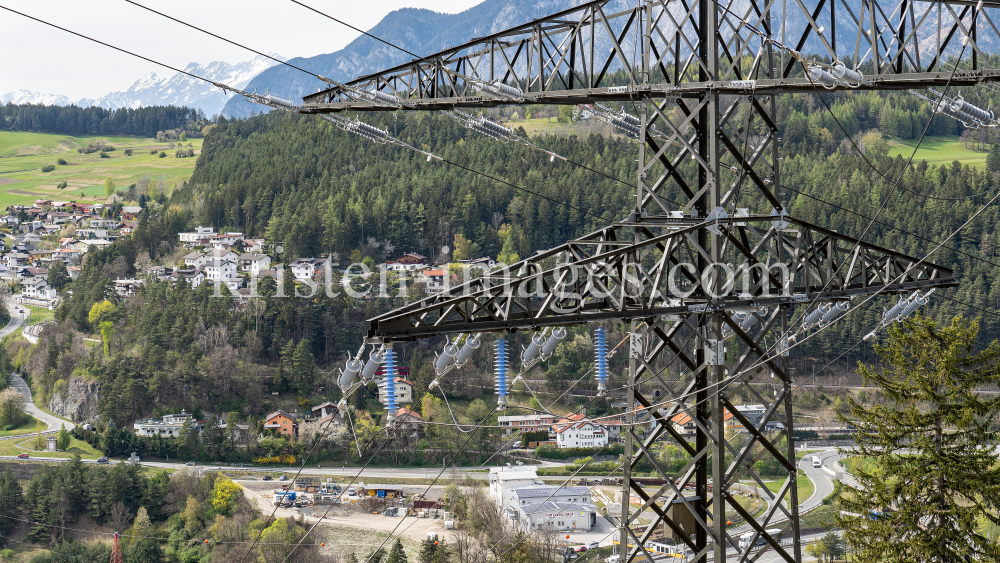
x,y
592,545
581,549
22,456
282,478
266,478
189,464
102,460
746,538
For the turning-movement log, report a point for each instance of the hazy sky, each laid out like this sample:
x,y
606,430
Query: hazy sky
x,y
42,59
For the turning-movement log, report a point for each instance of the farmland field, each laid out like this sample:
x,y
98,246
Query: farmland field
x,y
938,150
24,154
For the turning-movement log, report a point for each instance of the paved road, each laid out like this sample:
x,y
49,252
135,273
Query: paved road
x,y
53,422
17,316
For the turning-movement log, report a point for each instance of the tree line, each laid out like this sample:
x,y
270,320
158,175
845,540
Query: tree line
x,y
73,120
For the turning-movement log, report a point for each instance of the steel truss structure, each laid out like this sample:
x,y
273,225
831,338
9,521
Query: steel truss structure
x,y
707,284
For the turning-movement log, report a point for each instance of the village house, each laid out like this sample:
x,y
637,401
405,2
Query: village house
x,y
169,426
282,422
408,262
404,391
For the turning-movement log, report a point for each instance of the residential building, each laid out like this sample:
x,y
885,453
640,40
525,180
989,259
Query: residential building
x,y
225,241
324,409
404,391
127,287
92,233
254,263
485,264
15,259
577,431
409,420
193,276
306,268
169,426
199,234
526,423
38,292
283,422
410,261
130,212
435,279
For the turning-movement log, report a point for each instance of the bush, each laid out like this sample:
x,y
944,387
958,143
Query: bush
x,y
61,185
552,452
806,435
841,437
48,168
61,161
163,154
154,151
128,152
104,155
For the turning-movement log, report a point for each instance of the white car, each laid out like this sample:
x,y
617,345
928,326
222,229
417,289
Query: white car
x,y
592,545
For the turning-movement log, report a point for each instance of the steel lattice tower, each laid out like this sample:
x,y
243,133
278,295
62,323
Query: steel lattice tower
x,y
701,78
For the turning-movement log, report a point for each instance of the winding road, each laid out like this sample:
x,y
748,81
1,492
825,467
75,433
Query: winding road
x,y
17,316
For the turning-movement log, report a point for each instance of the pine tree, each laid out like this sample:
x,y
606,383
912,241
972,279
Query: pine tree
x,y
303,368
58,275
934,476
427,549
62,441
10,499
397,555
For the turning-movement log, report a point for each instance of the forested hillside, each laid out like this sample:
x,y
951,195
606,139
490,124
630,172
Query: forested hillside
x,y
299,181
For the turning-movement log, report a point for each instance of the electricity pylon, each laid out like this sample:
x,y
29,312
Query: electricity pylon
x,y
709,264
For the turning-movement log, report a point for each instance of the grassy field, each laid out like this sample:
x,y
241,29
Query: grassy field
x,y
11,447
23,154
39,315
27,428
938,150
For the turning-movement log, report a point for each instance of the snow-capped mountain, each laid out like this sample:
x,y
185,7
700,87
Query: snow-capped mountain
x,y
26,97
176,90
182,90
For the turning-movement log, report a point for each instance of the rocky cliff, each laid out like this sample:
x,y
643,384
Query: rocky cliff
x,y
79,403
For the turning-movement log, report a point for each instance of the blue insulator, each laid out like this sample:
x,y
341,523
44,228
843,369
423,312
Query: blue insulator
x,y
602,359
390,383
501,371
468,348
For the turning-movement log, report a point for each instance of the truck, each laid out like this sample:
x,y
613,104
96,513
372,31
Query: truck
x,y
746,538
816,462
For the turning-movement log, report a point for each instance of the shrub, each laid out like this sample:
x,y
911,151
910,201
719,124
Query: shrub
x,y
163,154
104,155
61,161
61,185
48,168
154,151
128,152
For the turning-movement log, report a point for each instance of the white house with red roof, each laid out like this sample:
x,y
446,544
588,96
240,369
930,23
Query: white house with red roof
x,y
578,431
404,391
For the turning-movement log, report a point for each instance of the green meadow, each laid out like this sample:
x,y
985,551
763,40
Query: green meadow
x,y
938,150
24,154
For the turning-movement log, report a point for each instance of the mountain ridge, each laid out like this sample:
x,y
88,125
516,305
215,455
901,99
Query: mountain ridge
x,y
177,89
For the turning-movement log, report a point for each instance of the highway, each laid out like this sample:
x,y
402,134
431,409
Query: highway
x,y
17,316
